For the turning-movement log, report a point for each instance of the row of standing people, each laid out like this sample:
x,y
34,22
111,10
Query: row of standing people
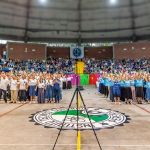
x,y
126,87
24,87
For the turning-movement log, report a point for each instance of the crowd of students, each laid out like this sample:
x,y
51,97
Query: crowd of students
x,y
126,87
124,80
67,66
23,87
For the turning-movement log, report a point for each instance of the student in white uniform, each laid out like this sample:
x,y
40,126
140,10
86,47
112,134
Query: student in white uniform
x,y
49,94
14,84
41,91
23,83
69,84
4,82
32,88
64,82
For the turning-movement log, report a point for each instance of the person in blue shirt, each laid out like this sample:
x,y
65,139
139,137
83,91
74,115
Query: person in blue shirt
x,y
122,89
139,84
147,86
101,86
116,91
128,93
106,89
57,90
111,83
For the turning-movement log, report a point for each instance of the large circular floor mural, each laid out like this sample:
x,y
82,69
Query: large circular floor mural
x,y
100,118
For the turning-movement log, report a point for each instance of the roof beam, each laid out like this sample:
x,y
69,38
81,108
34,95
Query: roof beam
x,y
133,24
73,40
27,20
86,40
79,21
70,30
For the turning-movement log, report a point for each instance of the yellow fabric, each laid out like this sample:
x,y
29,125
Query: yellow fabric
x,y
79,67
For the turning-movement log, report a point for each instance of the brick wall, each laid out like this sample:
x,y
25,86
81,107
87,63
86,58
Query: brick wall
x,y
24,51
99,52
132,50
58,52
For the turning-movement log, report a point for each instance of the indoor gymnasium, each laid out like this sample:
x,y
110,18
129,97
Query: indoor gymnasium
x,y
74,74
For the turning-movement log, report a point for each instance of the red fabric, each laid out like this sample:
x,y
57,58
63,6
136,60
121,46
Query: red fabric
x,y
93,78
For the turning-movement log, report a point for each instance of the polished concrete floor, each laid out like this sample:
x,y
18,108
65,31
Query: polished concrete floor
x,y
18,133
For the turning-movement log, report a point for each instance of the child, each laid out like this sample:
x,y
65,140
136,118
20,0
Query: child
x,y
116,91
57,90
22,89
41,88
32,88
139,83
14,89
128,93
49,90
147,86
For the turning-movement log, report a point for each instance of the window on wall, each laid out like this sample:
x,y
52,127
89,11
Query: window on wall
x,y
3,41
6,41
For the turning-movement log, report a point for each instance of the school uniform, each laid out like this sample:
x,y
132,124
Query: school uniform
x,y
122,89
14,90
147,94
106,84
61,79
69,84
64,83
57,90
128,93
49,90
3,88
144,89
139,88
132,82
22,90
41,94
111,83
116,89
101,86
32,87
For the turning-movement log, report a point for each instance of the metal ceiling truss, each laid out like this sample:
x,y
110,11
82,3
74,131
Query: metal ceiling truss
x,y
133,24
80,39
27,20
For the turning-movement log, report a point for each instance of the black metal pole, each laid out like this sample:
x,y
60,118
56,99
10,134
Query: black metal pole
x,y
64,120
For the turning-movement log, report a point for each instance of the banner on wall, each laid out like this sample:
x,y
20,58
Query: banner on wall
x,y
77,52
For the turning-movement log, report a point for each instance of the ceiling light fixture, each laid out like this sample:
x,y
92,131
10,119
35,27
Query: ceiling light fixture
x,y
113,2
42,1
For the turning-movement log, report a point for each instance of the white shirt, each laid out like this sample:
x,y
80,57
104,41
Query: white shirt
x,y
4,52
32,82
13,84
4,83
69,78
50,82
23,83
41,85
63,79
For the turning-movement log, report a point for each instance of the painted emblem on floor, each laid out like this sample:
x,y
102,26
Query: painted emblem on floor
x,y
100,118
